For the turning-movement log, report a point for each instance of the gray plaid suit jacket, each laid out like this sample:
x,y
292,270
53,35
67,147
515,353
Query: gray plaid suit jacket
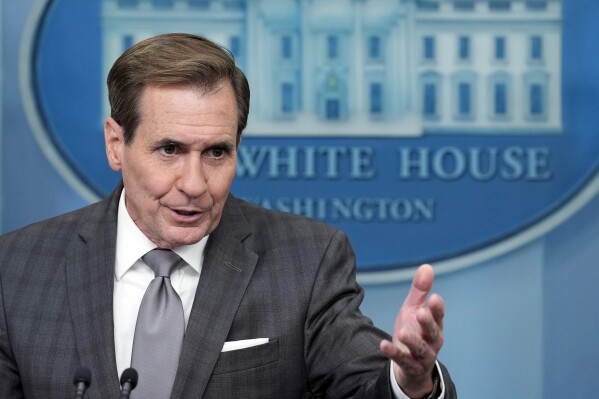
x,y
265,275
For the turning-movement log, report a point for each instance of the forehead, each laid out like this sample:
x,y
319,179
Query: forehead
x,y
185,108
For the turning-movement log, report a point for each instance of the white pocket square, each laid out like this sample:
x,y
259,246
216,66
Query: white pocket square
x,y
242,344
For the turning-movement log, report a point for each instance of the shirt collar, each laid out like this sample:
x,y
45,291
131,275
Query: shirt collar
x,y
132,244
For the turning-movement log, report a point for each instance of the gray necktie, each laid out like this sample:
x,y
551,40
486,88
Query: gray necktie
x,y
159,330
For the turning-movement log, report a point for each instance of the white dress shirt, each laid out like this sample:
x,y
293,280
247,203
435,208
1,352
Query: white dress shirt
x,y
132,277
398,393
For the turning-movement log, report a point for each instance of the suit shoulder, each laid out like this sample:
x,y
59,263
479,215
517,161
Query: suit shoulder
x,y
53,232
261,218
256,213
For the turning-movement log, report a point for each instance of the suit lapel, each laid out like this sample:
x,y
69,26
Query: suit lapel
x,y
90,281
226,272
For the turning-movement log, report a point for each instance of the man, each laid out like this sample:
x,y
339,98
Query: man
x,y
269,300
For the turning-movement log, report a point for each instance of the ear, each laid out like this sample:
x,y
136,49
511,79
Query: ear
x,y
115,143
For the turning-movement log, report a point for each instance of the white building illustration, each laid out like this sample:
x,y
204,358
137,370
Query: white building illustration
x,y
374,67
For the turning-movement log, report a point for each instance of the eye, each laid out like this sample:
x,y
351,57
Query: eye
x,y
168,149
217,152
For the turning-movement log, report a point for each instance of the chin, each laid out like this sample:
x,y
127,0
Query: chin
x,y
186,239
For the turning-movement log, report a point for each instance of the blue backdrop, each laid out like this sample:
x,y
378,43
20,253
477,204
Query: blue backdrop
x,y
521,324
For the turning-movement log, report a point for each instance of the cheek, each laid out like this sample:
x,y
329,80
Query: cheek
x,y
220,183
148,190
158,186
156,181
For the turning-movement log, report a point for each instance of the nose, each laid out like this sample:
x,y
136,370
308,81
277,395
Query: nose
x,y
192,180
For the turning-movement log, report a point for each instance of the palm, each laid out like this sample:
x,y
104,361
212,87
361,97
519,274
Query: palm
x,y
417,335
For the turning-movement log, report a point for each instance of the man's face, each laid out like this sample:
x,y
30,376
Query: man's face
x,y
179,167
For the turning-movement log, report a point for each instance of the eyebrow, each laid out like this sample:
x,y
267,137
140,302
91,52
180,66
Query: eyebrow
x,y
224,144
168,141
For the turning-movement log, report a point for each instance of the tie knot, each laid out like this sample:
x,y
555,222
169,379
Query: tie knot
x,y
162,261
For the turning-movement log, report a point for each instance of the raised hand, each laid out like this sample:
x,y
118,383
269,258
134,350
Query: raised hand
x,y
417,336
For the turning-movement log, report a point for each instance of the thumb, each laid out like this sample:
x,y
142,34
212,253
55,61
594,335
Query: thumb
x,y
421,286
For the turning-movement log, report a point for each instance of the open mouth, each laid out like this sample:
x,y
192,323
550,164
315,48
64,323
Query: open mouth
x,y
187,213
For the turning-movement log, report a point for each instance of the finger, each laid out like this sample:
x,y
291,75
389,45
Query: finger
x,y
394,351
402,356
390,350
410,368
437,307
419,349
428,325
421,286
397,352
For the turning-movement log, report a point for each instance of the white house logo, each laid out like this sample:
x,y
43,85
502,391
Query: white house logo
x,y
446,131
